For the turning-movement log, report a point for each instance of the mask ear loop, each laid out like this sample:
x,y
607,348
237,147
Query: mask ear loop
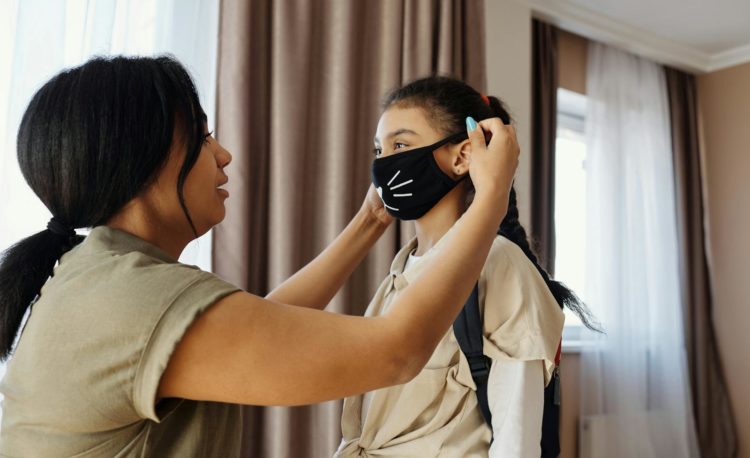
x,y
461,136
452,138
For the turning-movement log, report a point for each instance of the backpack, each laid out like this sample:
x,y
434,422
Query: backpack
x,y
468,329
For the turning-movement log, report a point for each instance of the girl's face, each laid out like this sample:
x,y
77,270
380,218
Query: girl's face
x,y
401,129
204,196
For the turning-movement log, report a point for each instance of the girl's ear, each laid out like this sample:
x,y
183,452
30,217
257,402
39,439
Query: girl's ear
x,y
461,160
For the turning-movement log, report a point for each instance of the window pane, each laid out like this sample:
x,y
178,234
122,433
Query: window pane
x,y
570,213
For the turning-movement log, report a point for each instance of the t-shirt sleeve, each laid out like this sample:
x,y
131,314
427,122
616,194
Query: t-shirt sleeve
x,y
201,291
522,320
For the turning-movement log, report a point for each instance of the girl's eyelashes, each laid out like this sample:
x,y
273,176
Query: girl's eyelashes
x,y
207,136
378,151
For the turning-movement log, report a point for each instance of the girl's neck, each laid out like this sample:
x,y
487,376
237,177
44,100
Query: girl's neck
x,y
431,227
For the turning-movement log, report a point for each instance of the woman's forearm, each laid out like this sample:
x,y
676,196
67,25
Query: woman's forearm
x,y
316,284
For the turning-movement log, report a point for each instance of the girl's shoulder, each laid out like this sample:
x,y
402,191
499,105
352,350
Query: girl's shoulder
x,y
511,279
522,320
504,255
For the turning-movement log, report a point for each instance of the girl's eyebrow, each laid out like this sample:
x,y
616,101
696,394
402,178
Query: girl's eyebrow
x,y
376,140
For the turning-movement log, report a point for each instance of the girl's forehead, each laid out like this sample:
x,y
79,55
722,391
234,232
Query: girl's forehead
x,y
402,120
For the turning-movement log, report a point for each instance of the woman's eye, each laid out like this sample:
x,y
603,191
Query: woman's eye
x,y
207,137
377,152
398,146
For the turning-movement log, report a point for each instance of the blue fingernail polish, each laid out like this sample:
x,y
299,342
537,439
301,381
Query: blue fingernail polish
x,y
470,123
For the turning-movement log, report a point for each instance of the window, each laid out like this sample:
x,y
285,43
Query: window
x,y
570,204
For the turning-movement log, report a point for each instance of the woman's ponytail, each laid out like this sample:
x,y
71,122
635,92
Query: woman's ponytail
x,y
93,138
24,268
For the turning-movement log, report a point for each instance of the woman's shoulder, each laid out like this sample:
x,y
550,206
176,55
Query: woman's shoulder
x,y
111,254
125,281
133,269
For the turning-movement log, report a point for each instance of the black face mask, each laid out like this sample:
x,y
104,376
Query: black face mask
x,y
411,183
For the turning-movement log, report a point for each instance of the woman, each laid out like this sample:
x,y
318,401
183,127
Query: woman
x,y
423,160
126,351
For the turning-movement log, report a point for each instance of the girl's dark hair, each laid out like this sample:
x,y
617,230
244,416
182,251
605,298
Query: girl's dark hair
x,y
91,139
447,102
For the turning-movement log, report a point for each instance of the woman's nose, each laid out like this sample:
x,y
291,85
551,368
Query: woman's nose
x,y
223,157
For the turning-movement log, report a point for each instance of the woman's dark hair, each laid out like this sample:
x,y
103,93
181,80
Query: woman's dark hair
x,y
91,139
447,102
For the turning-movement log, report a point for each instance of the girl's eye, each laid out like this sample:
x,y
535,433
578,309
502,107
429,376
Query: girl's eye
x,y
397,146
377,152
207,137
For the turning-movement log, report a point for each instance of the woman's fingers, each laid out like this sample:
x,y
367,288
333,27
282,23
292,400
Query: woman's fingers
x,y
493,164
495,125
374,204
476,136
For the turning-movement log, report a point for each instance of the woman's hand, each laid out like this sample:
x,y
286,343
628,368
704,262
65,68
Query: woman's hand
x,y
373,205
492,166
315,285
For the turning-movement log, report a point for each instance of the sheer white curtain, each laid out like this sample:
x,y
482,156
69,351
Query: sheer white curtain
x,y
39,38
634,378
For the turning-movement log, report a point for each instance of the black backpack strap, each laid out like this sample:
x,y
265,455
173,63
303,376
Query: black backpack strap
x,y
551,419
468,330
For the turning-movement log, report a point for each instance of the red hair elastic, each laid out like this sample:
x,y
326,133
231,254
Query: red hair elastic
x,y
486,99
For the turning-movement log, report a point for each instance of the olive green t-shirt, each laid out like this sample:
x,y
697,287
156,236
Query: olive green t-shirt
x,y
84,376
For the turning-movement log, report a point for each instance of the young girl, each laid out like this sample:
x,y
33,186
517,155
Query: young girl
x,y
420,170
127,352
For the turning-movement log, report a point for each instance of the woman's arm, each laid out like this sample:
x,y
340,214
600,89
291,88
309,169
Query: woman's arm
x,y
315,285
249,350
515,391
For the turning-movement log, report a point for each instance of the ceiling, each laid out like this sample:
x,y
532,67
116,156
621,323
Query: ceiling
x,y
699,35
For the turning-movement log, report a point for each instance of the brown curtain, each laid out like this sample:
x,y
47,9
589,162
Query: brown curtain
x,y
543,135
299,86
717,436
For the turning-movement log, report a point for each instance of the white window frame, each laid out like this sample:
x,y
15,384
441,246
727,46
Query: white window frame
x,y
571,116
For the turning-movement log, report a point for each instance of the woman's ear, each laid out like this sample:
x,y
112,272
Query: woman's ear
x,y
461,160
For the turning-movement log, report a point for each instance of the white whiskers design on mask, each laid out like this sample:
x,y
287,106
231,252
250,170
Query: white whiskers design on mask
x,y
391,188
401,184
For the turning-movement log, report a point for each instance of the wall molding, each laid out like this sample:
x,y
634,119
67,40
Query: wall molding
x,y
736,56
596,26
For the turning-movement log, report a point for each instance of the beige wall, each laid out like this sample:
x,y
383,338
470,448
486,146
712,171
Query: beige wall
x,y
570,404
508,54
724,98
572,56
